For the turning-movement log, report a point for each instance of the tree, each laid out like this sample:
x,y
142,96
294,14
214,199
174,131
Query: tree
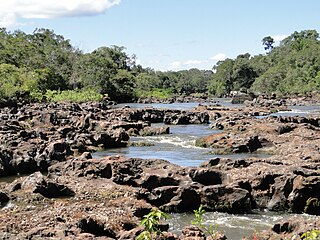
x,y
299,40
122,86
268,42
243,74
222,80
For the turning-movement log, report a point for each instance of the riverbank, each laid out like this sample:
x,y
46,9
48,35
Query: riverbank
x,y
66,193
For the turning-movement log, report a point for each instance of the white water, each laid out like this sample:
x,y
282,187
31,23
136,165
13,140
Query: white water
x,y
235,226
178,147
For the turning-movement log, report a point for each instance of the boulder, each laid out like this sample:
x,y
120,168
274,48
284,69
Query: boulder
x,y
83,166
146,173
280,191
24,161
152,131
206,176
58,150
95,227
192,233
186,199
250,144
285,128
111,139
226,199
240,98
5,162
303,191
185,117
38,183
159,196
3,198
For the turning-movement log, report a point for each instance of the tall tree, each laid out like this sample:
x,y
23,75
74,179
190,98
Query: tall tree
x,y
268,43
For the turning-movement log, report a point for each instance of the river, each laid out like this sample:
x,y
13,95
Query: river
x,y
179,148
234,226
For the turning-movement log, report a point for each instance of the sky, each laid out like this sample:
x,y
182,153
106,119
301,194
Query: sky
x,y
166,34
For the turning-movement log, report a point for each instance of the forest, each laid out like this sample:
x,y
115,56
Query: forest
x,y
44,66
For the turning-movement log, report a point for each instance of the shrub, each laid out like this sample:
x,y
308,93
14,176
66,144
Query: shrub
x,y
84,95
311,235
210,230
151,225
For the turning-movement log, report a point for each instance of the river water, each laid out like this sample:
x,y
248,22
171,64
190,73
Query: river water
x,y
235,226
179,148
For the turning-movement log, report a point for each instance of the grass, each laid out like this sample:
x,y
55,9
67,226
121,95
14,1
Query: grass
x,y
83,95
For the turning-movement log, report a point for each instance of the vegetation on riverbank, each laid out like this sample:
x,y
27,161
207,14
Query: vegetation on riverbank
x,y
45,66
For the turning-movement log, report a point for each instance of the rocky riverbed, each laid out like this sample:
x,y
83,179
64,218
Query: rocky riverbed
x,y
60,192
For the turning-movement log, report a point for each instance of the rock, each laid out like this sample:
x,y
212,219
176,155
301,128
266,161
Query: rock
x,y
111,139
24,163
159,196
151,131
312,206
130,125
280,191
185,117
240,98
303,190
293,228
206,176
58,150
211,163
154,181
185,200
58,138
146,173
249,145
90,225
192,233
84,167
3,198
5,161
285,129
285,227
226,199
40,184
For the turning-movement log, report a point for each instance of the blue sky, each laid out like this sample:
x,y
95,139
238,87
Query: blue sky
x,y
166,34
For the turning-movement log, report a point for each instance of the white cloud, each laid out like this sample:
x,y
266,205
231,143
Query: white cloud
x,y
138,61
278,38
7,20
219,57
183,65
192,62
10,10
175,65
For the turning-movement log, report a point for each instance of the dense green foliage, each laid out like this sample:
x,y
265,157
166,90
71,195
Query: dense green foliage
x,y
45,66
292,67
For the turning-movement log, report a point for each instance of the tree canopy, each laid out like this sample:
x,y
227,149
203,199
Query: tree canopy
x,y
38,65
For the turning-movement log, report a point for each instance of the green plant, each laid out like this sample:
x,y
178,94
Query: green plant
x,y
151,224
83,95
210,230
311,235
